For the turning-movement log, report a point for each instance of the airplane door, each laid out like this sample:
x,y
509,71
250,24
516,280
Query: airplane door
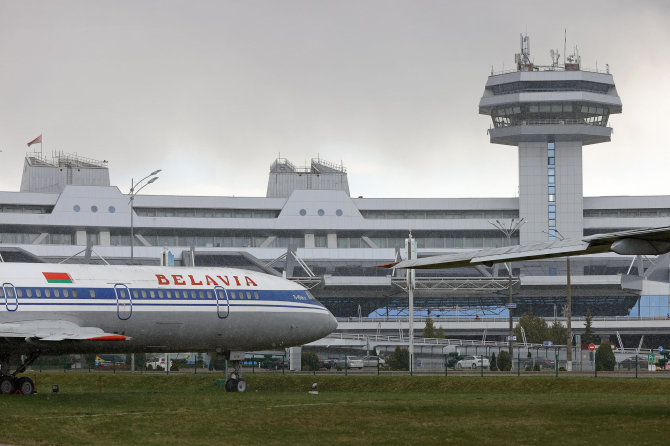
x,y
222,302
124,302
11,299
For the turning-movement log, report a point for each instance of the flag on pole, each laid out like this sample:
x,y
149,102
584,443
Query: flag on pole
x,y
37,140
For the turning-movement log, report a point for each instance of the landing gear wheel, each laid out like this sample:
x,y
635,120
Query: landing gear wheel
x,y
7,385
241,386
231,385
25,385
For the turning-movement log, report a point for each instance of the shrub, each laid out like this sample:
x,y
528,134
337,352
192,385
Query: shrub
x,y
536,368
494,364
528,369
504,361
562,369
605,357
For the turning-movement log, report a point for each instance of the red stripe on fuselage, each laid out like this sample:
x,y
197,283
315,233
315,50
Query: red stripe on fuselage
x,y
109,338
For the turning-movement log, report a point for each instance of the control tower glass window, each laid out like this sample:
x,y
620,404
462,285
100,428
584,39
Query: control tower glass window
x,y
550,113
551,188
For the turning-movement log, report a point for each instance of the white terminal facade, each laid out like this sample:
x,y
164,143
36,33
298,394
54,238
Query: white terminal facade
x,y
312,230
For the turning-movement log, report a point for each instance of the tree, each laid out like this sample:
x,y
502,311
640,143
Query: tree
x,y
399,360
309,361
504,361
494,365
558,334
535,328
605,359
429,330
589,337
440,333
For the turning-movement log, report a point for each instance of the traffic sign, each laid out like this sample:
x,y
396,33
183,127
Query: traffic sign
x,y
592,347
652,358
510,338
548,343
512,305
660,348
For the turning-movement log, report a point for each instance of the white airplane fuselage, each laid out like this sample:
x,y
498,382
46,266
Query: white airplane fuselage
x,y
59,309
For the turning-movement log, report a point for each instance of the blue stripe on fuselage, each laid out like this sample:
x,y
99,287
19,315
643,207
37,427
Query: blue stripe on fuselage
x,y
177,295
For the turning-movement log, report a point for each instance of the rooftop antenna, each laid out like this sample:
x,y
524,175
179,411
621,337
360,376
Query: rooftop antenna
x,y
555,55
565,44
522,59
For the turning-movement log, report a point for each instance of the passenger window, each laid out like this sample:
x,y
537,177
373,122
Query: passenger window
x,y
19,292
144,294
201,294
29,292
92,292
209,294
256,294
56,292
38,292
11,291
122,293
74,292
160,294
47,292
2,292
135,294
248,294
65,293
169,294
231,294
152,294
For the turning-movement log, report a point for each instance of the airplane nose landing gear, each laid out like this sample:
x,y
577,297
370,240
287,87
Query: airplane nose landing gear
x,y
236,383
9,383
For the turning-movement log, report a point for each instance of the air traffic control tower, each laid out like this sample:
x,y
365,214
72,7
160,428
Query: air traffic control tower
x,y
549,113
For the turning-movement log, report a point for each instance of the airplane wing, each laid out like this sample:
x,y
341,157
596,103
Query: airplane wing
x,y
56,330
648,241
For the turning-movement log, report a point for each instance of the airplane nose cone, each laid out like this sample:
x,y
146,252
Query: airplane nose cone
x,y
332,323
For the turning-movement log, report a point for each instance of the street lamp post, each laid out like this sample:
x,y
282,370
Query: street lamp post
x,y
508,230
131,194
568,356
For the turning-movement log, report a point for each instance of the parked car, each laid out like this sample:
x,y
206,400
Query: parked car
x,y
326,363
372,361
472,362
351,362
548,364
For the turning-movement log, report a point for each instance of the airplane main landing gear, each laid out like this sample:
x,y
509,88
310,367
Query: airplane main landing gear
x,y
236,383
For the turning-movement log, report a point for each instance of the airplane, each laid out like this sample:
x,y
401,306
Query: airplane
x,y
68,309
645,241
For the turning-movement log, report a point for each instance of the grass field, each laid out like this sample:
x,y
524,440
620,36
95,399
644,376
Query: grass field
x,y
356,410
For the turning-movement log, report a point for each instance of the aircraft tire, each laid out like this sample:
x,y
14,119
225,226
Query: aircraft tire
x,y
25,385
7,385
231,385
241,386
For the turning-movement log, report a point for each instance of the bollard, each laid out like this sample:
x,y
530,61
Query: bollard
x,y
636,365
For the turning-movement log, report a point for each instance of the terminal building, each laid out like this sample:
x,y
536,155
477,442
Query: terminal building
x,y
309,228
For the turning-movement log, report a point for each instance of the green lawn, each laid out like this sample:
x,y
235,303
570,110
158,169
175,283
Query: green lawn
x,y
366,410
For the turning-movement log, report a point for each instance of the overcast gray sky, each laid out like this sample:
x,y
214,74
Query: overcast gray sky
x,y
213,91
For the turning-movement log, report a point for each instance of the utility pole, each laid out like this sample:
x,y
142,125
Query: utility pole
x,y
508,230
134,190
